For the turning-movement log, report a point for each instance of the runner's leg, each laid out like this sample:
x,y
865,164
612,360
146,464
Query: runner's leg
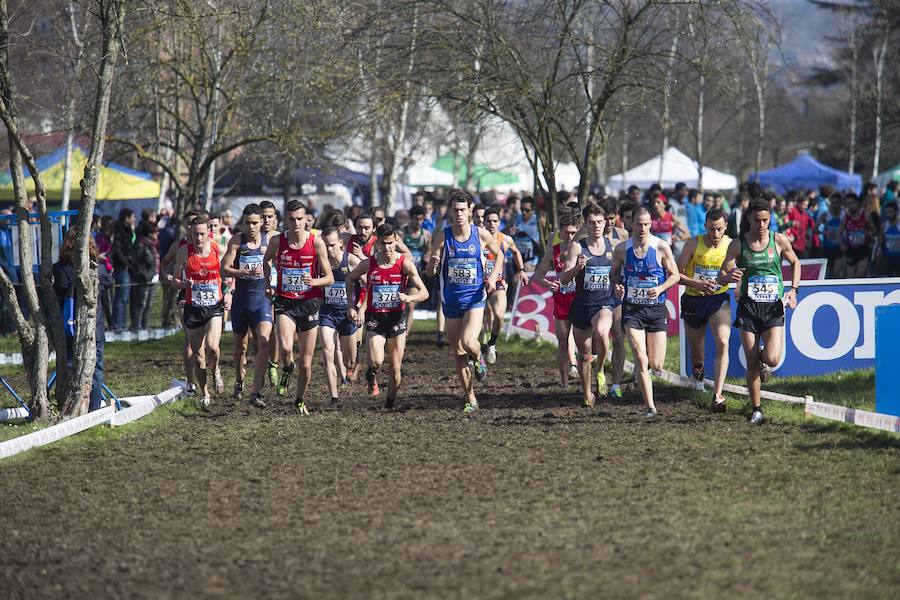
x,y
696,339
656,349
375,351
584,342
329,359
263,337
600,326
240,354
348,352
618,344
750,342
461,357
395,347
637,338
306,347
286,330
211,347
720,323
563,330
773,340
195,339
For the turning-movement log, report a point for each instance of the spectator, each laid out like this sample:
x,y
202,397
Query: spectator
x,y
122,256
662,223
871,204
227,219
429,223
830,226
890,193
696,212
148,215
801,227
145,273
527,221
733,228
889,243
63,285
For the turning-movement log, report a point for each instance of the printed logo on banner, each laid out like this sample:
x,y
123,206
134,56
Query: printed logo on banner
x,y
832,329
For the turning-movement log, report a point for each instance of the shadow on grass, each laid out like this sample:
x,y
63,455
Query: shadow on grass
x,y
853,437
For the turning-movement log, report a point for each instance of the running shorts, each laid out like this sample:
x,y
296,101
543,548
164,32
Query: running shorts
x,y
337,319
387,324
581,314
248,313
457,310
304,312
757,317
697,310
650,318
195,317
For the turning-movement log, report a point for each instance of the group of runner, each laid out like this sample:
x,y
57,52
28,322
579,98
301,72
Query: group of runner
x,y
612,279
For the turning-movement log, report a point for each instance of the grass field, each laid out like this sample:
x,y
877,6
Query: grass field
x,y
534,497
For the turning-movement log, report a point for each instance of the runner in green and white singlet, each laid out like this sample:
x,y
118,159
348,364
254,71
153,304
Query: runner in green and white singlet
x,y
754,263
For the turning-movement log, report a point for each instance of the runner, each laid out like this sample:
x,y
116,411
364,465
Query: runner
x,y
197,266
337,331
588,263
251,308
389,278
705,301
754,263
616,235
639,271
456,253
270,219
301,261
889,244
830,225
569,226
418,241
496,313
856,237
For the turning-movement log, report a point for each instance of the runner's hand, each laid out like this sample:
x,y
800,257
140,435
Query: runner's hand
x,y
653,292
307,279
523,277
582,260
790,298
226,301
620,291
554,286
433,263
403,297
491,282
708,287
735,276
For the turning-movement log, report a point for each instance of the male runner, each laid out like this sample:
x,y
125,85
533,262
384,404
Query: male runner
x,y
456,252
643,268
418,241
496,313
705,301
250,307
753,262
588,263
301,261
335,327
269,229
389,277
616,235
563,295
197,266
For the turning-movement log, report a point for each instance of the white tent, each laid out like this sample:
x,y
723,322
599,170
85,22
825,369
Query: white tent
x,y
422,174
676,167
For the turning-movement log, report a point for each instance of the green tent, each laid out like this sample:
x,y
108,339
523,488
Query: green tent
x,y
892,174
483,176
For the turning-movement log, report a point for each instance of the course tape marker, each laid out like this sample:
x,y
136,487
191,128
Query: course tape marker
x,y
140,407
853,416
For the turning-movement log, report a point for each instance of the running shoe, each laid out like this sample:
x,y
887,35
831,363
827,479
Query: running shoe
x,y
765,371
345,383
257,401
589,402
650,413
756,418
372,384
601,382
440,339
301,408
285,381
389,404
573,371
718,404
698,372
491,354
218,382
272,372
470,408
352,372
480,369
238,388
615,392
191,390
204,403
334,404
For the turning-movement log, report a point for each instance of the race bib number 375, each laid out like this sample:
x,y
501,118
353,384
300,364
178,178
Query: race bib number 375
x,y
292,280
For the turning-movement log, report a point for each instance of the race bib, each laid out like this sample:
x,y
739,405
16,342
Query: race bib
x,y
336,294
596,279
418,255
386,296
248,263
292,279
763,288
204,294
705,274
463,271
892,243
568,288
857,238
638,291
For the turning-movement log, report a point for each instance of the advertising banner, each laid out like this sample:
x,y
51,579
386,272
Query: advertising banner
x,y
832,329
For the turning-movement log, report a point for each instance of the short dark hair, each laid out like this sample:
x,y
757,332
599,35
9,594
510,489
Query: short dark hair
x,y
266,204
758,205
338,219
146,213
201,219
364,215
125,213
892,204
639,210
146,228
293,205
593,209
714,214
385,230
329,230
627,208
571,218
416,211
491,211
252,209
460,196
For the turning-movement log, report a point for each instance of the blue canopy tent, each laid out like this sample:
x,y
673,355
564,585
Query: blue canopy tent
x,y
806,172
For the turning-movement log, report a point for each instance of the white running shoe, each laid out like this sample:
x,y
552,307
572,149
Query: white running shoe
x,y
218,382
757,417
491,354
204,403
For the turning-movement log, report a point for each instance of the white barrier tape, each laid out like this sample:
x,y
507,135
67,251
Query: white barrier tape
x,y
853,416
132,400
146,406
56,432
13,414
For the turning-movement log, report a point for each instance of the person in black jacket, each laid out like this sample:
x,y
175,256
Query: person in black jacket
x,y
64,286
122,258
144,270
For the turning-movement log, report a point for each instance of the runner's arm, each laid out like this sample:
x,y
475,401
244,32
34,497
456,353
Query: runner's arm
x,y
687,252
729,273
227,267
840,235
669,264
271,251
575,262
540,273
412,274
327,277
615,271
520,264
788,254
494,248
180,259
170,255
437,247
402,248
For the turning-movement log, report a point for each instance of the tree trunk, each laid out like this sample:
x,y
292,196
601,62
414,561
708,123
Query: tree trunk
x,y
624,156
854,98
701,96
75,392
666,124
759,81
879,85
